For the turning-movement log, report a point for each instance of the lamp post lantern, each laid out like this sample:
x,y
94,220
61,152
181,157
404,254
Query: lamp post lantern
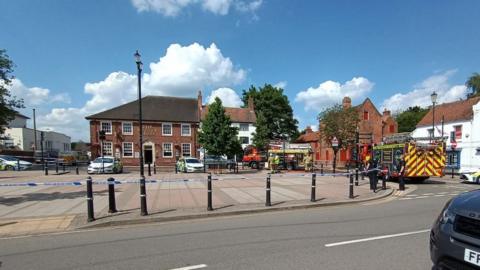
x,y
143,193
433,96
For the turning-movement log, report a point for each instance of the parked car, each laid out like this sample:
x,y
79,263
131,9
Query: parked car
x,y
13,164
107,164
455,235
189,164
472,177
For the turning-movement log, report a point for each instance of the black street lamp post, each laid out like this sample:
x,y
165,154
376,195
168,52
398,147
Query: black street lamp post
x,y
434,100
143,193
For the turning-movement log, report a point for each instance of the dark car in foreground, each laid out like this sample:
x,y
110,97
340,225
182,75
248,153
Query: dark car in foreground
x,y
455,236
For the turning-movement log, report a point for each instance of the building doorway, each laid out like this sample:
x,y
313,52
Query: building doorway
x,y
148,154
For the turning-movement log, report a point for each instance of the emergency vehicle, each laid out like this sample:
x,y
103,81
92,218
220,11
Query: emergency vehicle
x,y
423,157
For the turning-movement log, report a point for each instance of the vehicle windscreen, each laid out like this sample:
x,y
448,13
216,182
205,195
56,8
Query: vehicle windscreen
x,y
7,158
192,161
105,160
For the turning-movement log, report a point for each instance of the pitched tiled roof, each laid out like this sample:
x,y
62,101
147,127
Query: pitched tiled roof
x,y
154,108
237,115
452,112
309,137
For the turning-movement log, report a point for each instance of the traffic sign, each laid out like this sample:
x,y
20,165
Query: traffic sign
x,y
454,145
334,142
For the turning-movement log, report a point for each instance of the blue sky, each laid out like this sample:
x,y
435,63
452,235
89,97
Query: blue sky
x,y
74,58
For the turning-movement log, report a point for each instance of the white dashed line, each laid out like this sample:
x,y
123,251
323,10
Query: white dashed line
x,y
192,267
375,238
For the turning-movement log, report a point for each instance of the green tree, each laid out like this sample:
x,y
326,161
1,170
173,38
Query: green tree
x,y
474,84
338,122
408,119
260,137
8,104
274,106
217,135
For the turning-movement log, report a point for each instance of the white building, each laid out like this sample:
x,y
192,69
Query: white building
x,y
18,135
242,118
462,131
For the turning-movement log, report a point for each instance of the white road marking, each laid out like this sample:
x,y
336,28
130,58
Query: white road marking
x,y
375,238
192,267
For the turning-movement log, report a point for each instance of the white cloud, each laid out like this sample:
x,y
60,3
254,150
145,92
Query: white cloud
x,y
171,8
182,71
184,68
281,84
420,94
220,7
34,96
330,92
228,96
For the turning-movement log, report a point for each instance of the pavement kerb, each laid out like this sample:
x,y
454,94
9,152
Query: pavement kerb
x,y
117,223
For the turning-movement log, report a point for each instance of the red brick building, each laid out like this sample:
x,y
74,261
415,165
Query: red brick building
x,y
170,130
373,126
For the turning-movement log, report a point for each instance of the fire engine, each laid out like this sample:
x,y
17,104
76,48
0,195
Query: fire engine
x,y
423,157
253,158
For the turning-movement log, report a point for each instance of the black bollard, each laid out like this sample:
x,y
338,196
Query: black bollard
x,y
321,169
268,202
112,208
56,167
401,183
143,197
314,180
76,170
90,214
384,183
453,171
363,173
149,170
348,170
356,176
46,169
351,187
176,169
154,168
18,164
209,187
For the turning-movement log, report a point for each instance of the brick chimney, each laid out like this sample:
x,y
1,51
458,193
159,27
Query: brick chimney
x,y
250,104
386,113
199,104
347,103
308,130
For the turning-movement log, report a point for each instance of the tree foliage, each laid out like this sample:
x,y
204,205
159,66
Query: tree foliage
x,y
408,119
8,104
338,122
261,135
474,84
217,136
273,105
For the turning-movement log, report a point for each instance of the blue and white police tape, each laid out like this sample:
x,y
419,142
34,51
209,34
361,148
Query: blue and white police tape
x,y
120,182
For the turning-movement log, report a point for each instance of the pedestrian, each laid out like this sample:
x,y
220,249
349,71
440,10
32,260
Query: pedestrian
x,y
276,160
270,163
401,170
372,173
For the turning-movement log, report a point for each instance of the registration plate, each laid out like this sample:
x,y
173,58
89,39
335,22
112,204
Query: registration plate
x,y
472,256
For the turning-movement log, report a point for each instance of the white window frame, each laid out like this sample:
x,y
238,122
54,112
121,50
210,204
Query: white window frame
x,y
189,130
123,150
243,124
163,150
107,122
103,148
171,129
127,133
189,149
